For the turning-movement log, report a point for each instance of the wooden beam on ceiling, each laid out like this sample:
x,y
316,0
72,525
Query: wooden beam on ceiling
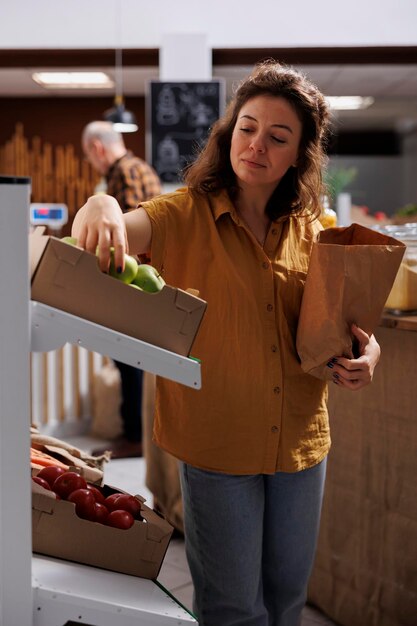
x,y
149,57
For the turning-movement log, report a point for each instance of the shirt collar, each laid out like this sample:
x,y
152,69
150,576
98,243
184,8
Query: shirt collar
x,y
116,162
223,204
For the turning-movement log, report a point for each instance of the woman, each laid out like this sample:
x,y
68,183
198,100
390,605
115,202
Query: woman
x,y
253,442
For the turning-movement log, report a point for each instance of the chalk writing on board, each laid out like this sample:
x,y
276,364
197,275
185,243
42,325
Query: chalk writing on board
x,y
181,115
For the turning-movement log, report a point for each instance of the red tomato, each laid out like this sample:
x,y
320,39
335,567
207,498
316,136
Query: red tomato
x,y
51,473
120,519
67,483
101,513
110,501
98,496
129,503
85,505
42,482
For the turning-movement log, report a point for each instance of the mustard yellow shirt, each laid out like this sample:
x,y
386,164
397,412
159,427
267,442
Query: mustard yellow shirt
x,y
257,411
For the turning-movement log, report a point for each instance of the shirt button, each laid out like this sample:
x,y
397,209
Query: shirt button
x,y
265,265
269,307
277,390
274,348
274,429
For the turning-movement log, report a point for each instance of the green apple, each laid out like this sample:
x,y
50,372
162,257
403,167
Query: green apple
x,y
131,267
129,273
148,278
71,240
135,286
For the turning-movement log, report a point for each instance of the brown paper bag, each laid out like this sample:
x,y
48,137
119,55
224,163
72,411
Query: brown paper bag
x,y
349,278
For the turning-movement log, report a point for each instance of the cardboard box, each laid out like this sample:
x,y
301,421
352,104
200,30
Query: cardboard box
x,y
68,278
57,531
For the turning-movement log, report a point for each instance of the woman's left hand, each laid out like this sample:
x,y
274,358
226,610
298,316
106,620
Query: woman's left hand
x,y
354,374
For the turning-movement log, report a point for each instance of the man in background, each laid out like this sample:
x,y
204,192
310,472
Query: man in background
x,y
131,181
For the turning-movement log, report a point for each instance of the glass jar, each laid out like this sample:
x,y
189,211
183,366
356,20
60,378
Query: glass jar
x,y
402,299
328,217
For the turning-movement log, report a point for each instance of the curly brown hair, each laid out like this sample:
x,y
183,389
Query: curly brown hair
x,y
301,186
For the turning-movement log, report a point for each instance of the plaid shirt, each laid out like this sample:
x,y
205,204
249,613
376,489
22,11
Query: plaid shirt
x,y
131,181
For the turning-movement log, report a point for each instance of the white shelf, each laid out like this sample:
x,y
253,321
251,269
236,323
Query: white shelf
x,y
58,591
64,591
15,509
51,328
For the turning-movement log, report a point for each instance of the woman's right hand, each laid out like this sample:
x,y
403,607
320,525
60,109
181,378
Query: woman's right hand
x,y
100,223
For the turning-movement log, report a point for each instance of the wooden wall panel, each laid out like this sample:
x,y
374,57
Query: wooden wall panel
x,y
56,172
59,121
41,138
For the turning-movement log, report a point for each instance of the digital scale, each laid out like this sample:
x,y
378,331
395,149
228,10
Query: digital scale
x,y
55,216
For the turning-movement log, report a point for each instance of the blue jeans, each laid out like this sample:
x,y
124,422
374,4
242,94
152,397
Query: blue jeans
x,y
250,543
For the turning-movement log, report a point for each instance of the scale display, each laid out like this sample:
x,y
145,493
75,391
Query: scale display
x,y
52,215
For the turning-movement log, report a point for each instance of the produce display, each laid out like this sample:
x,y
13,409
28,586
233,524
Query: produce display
x,y
47,450
79,518
129,272
407,212
148,279
70,240
50,474
42,482
141,276
40,459
403,295
119,510
68,482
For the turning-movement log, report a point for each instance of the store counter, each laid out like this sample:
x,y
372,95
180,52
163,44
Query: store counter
x,y
365,572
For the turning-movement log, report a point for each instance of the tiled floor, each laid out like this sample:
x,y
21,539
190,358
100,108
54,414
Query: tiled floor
x,y
129,474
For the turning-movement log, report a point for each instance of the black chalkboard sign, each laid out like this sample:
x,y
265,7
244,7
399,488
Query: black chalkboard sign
x,y
179,117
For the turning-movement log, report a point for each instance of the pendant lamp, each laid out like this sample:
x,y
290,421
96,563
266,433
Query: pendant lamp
x,y
123,121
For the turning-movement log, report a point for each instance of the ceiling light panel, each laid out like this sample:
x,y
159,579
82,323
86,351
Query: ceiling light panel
x,y
73,80
349,103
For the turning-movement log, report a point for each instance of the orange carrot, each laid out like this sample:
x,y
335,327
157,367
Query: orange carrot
x,y
41,458
36,466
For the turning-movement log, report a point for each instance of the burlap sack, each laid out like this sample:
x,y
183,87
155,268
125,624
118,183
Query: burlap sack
x,y
349,278
162,475
107,398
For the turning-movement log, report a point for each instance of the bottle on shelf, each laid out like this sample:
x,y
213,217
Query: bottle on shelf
x,y
402,299
328,217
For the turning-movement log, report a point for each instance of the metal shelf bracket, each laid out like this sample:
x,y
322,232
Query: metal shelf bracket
x,y
51,328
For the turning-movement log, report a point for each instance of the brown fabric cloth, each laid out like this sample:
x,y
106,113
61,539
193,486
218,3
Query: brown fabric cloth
x,y
162,477
365,566
257,411
131,181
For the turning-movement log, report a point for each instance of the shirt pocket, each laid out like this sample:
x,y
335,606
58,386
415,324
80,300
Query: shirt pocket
x,y
291,295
